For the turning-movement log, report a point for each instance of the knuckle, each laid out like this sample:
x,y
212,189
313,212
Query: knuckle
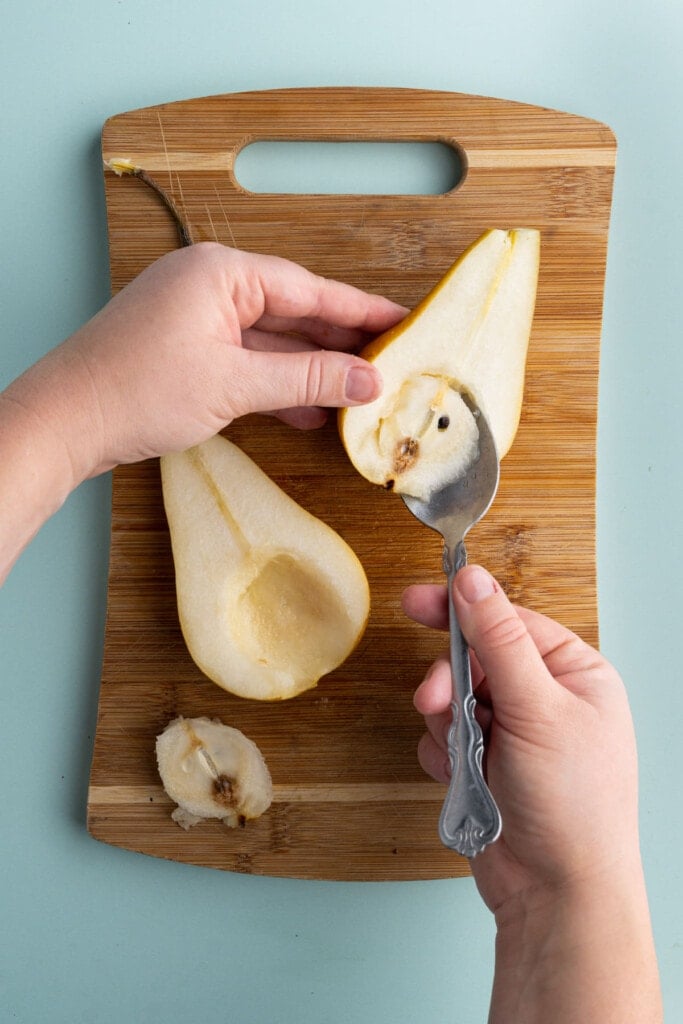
x,y
200,263
314,381
205,254
209,250
507,631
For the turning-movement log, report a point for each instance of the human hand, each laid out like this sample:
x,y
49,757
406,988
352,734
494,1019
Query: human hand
x,y
565,881
202,336
560,752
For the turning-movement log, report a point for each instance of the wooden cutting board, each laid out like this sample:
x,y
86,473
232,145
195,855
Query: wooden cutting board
x,y
350,799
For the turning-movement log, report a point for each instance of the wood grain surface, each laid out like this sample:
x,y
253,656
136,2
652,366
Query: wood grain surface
x,y
350,799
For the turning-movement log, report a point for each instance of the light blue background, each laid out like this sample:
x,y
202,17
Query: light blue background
x,y
95,934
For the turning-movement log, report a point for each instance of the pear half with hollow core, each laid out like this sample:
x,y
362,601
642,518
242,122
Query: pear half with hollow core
x,y
211,770
269,597
469,335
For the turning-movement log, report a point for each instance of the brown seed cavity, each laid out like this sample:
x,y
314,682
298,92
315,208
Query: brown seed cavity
x,y
405,454
224,791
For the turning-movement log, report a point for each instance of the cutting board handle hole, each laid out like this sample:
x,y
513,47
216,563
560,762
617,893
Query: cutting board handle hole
x,y
350,168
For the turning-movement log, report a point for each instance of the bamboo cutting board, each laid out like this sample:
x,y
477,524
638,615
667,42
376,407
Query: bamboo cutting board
x,y
350,799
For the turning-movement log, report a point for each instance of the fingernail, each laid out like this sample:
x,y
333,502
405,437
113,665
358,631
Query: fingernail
x,y
475,584
361,384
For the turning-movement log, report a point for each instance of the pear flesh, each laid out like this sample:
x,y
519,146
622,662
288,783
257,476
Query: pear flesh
x,y
270,598
211,770
469,336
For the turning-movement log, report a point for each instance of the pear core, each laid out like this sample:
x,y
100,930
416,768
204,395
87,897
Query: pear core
x,y
212,770
286,613
427,411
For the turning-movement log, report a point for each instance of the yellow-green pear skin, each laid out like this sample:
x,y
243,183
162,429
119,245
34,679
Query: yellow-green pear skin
x,y
270,598
469,335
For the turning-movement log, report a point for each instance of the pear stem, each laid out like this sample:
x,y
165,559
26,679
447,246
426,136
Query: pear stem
x,y
120,167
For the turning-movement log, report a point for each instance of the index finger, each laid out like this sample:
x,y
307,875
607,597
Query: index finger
x,y
290,290
319,333
427,603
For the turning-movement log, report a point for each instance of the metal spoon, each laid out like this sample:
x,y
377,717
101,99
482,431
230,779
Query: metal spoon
x,y
470,819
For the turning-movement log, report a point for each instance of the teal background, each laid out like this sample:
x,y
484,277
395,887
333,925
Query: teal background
x,y
94,934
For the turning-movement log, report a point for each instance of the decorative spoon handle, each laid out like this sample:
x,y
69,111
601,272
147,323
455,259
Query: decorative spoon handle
x,y
470,819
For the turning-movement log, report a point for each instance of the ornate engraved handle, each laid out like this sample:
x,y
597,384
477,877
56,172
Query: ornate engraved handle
x,y
470,819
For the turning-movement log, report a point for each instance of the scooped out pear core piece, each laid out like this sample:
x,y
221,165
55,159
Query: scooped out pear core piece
x,y
211,770
470,335
270,598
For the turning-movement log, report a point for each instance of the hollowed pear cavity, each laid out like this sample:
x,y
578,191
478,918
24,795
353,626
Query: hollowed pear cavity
x,y
269,597
289,614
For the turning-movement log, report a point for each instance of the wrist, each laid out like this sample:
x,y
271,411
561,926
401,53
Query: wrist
x,y
581,952
48,445
56,409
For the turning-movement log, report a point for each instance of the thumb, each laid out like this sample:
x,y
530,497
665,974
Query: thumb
x,y
518,680
267,381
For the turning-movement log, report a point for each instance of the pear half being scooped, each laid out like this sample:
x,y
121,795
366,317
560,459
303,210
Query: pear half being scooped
x,y
270,598
469,335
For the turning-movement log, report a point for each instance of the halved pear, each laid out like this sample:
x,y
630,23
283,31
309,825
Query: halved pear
x,y
469,335
269,597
